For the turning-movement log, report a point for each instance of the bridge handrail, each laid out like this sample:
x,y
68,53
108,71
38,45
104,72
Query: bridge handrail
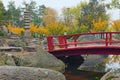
x,y
86,34
62,39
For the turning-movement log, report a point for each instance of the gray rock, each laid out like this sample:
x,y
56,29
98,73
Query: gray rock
x,y
5,29
93,63
28,73
42,59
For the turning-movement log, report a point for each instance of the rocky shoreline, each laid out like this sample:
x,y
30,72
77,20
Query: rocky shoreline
x,y
29,73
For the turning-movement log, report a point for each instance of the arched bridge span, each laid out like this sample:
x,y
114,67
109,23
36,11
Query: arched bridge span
x,y
85,43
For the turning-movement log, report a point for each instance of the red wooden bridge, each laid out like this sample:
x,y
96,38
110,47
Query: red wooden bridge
x,y
85,43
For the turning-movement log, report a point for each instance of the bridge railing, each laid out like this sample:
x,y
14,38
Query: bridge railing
x,y
82,40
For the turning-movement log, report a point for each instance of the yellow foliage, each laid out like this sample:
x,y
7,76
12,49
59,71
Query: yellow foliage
x,y
33,28
66,28
56,28
99,26
115,25
112,59
15,30
42,30
110,29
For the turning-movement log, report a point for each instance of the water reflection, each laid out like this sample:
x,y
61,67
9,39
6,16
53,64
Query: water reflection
x,y
111,63
83,75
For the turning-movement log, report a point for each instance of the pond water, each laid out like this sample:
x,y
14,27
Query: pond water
x,y
83,75
89,75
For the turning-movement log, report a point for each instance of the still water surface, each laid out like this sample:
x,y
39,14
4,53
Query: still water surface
x,y
83,75
90,75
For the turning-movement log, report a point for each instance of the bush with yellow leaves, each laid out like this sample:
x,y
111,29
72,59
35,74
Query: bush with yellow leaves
x,y
42,30
15,30
115,25
99,26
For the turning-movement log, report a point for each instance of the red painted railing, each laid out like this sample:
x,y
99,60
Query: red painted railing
x,y
105,39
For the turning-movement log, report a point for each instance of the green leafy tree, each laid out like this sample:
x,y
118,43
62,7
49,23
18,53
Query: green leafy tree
x,y
71,14
14,14
93,11
114,4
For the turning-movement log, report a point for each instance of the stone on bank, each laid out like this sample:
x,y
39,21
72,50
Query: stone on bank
x,y
29,73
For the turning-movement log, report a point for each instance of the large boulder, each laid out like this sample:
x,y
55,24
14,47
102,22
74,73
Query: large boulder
x,y
28,73
94,63
41,59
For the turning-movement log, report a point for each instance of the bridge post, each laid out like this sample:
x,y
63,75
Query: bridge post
x,y
106,39
50,43
110,38
61,41
65,39
75,40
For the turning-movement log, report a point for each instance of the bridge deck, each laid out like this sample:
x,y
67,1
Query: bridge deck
x,y
76,44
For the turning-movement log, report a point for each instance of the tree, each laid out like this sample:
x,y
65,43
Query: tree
x,y
115,25
71,14
14,14
99,26
51,23
49,16
3,14
114,4
93,11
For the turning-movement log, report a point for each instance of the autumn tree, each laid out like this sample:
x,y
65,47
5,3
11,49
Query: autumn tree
x,y
99,26
49,16
38,30
51,22
115,25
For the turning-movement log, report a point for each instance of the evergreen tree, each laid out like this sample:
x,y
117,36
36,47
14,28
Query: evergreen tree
x,y
14,14
3,14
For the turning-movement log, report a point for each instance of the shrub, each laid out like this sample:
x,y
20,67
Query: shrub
x,y
1,33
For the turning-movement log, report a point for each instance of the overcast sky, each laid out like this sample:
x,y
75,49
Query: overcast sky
x,y
59,4
56,4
